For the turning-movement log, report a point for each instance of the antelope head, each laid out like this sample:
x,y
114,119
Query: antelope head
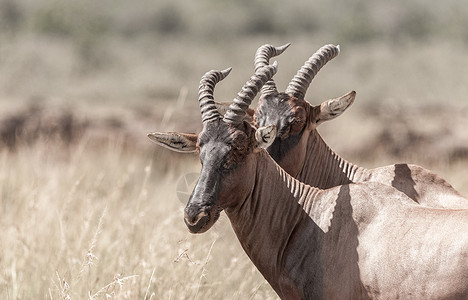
x,y
227,146
293,116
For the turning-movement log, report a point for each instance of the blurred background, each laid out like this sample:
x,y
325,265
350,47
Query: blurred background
x,y
88,205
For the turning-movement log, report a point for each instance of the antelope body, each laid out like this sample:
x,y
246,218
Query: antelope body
x,y
355,241
302,152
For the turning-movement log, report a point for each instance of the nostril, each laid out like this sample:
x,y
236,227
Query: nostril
x,y
195,219
197,227
199,217
193,216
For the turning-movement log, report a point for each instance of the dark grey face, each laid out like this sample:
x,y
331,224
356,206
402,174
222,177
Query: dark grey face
x,y
289,114
221,148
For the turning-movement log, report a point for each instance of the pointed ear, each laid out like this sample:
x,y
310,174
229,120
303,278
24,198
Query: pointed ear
x,y
331,108
179,142
222,108
265,136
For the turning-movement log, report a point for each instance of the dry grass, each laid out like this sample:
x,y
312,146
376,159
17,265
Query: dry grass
x,y
88,207
81,223
102,221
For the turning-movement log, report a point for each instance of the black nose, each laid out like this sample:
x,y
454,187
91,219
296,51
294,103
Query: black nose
x,y
196,218
199,225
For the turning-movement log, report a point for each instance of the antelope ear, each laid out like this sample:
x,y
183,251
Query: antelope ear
x,y
222,108
332,108
265,136
179,142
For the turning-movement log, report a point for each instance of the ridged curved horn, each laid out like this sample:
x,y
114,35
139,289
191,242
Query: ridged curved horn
x,y
299,84
205,94
262,58
236,111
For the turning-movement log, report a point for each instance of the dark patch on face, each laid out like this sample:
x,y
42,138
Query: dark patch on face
x,y
222,147
289,114
279,148
241,146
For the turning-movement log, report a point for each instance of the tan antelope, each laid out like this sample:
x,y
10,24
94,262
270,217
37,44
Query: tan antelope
x,y
356,241
300,150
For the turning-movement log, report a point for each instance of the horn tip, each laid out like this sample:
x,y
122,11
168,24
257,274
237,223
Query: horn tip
x,y
349,96
281,49
227,71
338,47
274,67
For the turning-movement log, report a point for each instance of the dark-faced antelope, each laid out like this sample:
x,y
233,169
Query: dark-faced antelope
x,y
300,150
356,241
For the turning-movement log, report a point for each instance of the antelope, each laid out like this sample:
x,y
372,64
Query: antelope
x,y
353,241
300,150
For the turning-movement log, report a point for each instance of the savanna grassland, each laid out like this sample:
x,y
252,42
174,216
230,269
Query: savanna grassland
x,y
89,208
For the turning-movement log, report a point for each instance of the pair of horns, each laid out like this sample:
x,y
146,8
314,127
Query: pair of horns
x,y
262,79
299,84
241,103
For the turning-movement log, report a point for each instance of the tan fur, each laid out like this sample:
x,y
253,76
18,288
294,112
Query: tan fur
x,y
313,162
354,241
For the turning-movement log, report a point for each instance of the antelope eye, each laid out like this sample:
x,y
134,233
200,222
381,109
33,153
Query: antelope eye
x,y
296,125
296,121
285,132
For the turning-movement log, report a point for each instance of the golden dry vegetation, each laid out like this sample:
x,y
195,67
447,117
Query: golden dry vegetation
x,y
89,207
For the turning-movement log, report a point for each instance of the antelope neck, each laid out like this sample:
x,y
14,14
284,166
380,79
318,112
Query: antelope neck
x,y
323,168
272,219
